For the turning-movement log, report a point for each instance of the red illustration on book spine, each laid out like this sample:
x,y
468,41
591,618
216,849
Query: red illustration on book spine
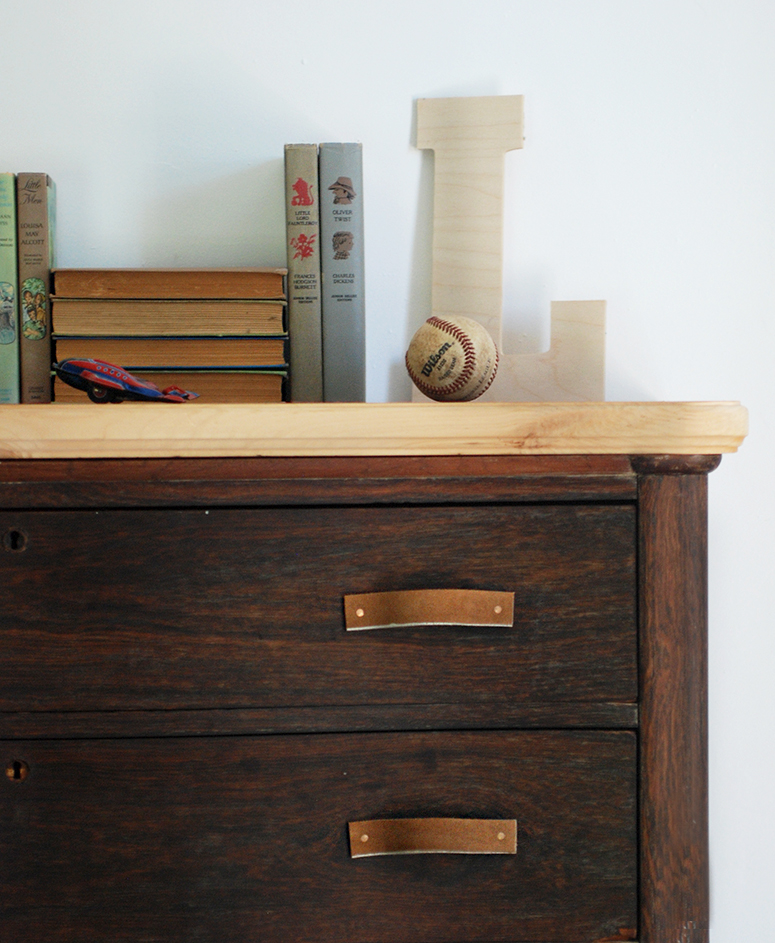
x,y
304,246
303,192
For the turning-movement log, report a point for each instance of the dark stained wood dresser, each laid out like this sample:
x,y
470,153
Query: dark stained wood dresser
x,y
198,748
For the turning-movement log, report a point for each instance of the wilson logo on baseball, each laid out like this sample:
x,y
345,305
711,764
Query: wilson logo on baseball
x,y
452,359
434,359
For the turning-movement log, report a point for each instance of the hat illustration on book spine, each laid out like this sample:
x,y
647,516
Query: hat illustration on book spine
x,y
344,192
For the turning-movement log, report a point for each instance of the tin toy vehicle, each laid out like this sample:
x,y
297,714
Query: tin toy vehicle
x,y
107,383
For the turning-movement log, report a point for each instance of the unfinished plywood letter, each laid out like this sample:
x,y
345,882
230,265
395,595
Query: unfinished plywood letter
x,y
470,138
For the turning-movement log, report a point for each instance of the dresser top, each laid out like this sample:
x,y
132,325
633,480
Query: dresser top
x,y
161,430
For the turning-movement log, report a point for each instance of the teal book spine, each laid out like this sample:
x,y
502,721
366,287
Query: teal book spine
x,y
35,202
342,266
9,292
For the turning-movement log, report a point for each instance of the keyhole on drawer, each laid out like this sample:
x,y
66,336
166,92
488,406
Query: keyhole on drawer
x,y
15,540
17,771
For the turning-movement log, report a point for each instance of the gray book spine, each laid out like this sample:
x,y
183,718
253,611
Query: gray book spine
x,y
302,195
9,292
342,264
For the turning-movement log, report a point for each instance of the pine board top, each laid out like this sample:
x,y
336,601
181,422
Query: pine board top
x,y
187,430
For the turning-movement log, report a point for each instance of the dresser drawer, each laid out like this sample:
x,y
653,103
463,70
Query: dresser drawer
x,y
244,607
235,839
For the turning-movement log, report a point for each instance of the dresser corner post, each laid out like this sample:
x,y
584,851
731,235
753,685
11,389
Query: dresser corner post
x,y
673,578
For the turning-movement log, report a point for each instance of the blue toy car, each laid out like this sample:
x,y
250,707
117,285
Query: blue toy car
x,y
106,383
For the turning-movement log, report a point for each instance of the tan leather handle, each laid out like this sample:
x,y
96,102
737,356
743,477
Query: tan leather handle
x,y
433,836
470,607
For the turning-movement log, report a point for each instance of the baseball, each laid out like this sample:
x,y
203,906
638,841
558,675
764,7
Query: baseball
x,y
452,359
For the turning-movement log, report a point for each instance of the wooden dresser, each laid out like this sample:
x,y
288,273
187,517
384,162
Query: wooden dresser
x,y
306,674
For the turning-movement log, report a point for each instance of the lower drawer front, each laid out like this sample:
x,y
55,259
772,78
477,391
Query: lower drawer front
x,y
246,839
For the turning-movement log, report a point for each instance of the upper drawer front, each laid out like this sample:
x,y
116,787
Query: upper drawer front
x,y
227,608
235,839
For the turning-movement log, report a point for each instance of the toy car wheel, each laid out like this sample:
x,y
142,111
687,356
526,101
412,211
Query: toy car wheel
x,y
98,394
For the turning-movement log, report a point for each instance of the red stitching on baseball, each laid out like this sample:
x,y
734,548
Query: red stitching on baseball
x,y
492,375
469,351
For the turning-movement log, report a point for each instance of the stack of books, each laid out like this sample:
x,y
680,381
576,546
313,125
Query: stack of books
x,y
220,333
326,306
26,258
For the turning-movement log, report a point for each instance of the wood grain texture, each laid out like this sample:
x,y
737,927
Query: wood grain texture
x,y
674,464
234,839
571,370
328,480
487,715
673,730
121,609
165,430
470,138
177,685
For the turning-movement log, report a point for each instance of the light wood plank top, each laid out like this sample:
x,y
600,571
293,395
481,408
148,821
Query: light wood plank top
x,y
149,430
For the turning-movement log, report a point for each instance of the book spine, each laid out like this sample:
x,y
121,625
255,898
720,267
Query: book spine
x,y
302,219
121,317
342,266
9,292
35,198
240,284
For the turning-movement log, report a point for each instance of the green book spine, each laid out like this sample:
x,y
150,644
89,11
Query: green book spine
x,y
9,292
35,200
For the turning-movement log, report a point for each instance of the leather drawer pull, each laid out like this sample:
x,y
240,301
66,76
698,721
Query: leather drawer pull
x,y
428,607
433,836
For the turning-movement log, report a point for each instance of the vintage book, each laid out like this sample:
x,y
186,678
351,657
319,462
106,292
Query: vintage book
x,y
136,352
35,205
342,266
127,317
302,218
9,292
213,386
170,283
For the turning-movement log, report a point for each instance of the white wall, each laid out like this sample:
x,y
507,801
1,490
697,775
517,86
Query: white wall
x,y
646,179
